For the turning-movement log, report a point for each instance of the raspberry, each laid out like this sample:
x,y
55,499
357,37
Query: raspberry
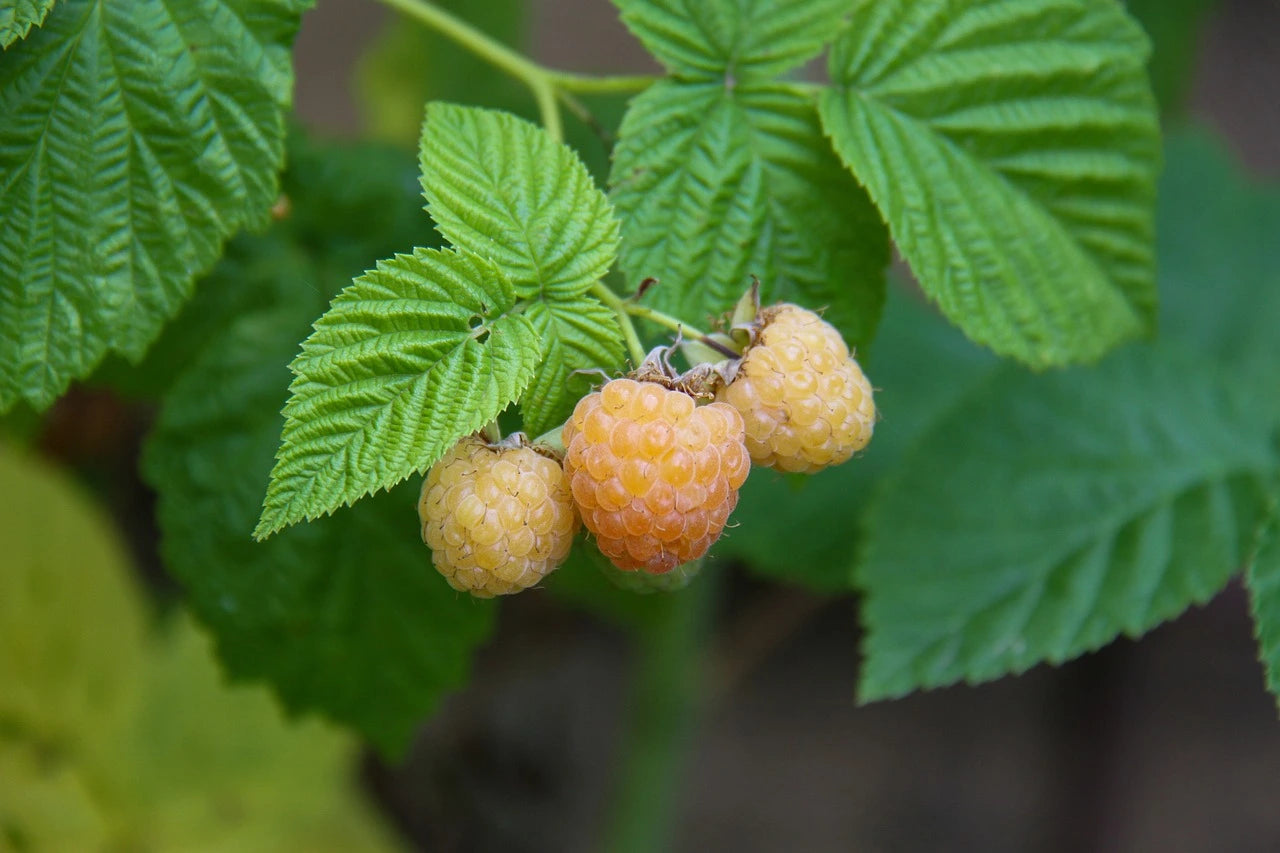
x,y
654,476
804,399
498,519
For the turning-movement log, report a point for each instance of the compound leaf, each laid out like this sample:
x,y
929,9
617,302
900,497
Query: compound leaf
x,y
136,138
17,17
330,613
503,189
732,39
1012,147
578,334
409,358
717,185
1046,515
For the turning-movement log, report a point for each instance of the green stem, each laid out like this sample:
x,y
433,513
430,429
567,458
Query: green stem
x,y
544,83
675,324
619,307
665,703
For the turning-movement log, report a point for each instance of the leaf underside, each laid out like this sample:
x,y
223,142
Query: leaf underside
x,y
137,137
1013,148
1046,515
17,17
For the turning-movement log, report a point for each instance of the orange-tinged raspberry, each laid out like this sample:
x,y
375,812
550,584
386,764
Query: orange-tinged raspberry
x,y
654,475
804,399
498,519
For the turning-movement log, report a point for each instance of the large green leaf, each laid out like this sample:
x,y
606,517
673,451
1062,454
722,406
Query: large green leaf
x,y
17,17
1012,146
733,39
503,189
334,614
349,205
719,184
136,137
1047,515
411,357
70,622
578,334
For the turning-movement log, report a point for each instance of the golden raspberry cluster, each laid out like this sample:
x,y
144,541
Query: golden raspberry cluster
x,y
654,475
805,401
498,519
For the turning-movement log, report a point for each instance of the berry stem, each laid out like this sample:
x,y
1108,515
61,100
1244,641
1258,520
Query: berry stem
x,y
544,83
619,307
666,702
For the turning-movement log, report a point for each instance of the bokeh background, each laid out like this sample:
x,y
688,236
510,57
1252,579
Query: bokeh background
x,y
1169,743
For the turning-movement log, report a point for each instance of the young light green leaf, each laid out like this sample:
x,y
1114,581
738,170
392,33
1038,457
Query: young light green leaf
x,y
1262,578
578,334
717,185
733,39
136,137
1049,514
407,360
17,17
1012,147
503,189
330,613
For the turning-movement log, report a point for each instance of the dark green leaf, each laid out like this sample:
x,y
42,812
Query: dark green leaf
x,y
1174,27
136,138
344,615
1047,515
717,185
733,39
1263,580
1012,146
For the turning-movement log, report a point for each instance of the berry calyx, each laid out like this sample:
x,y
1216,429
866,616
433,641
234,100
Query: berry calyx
x,y
653,475
498,518
804,399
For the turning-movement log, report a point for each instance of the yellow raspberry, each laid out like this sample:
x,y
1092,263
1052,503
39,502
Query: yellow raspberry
x,y
653,475
498,519
806,403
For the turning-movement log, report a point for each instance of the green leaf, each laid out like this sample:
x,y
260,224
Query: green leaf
x,y
70,623
717,185
1262,577
349,204
503,189
330,613
408,359
409,64
137,137
921,367
1012,147
17,17
577,334
1046,515
733,39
